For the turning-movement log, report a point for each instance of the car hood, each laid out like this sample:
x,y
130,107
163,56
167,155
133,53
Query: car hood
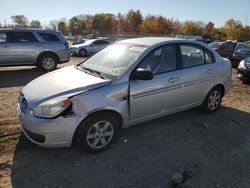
x,y
65,82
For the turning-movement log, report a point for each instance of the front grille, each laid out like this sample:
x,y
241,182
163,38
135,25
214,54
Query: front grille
x,y
23,104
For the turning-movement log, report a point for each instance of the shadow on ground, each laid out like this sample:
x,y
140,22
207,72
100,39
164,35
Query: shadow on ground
x,y
147,155
18,77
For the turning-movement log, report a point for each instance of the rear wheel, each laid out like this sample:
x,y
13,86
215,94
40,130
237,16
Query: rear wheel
x,y
212,100
47,62
97,132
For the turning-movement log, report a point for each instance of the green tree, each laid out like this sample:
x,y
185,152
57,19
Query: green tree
x,y
192,28
77,25
20,20
35,24
104,23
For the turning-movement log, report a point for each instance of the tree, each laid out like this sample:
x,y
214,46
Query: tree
x,y
62,27
77,25
20,20
120,23
53,24
133,21
35,24
209,31
192,28
233,26
104,23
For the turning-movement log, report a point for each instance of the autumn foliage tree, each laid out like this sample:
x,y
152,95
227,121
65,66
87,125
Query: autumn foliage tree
x,y
133,21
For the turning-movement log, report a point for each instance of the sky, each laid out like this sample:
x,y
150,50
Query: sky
x,y
217,11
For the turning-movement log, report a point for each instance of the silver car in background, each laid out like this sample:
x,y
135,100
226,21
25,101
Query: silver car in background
x,y
88,47
129,82
42,48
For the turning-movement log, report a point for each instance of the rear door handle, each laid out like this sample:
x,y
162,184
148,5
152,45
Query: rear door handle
x,y
174,79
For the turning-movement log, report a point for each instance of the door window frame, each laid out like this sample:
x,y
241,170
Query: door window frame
x,y
177,58
195,46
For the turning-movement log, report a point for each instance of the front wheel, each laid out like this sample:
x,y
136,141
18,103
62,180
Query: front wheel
x,y
97,132
212,101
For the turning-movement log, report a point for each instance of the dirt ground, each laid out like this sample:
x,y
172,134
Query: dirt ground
x,y
213,150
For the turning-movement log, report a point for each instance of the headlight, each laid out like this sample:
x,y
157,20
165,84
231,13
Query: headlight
x,y
242,65
51,109
245,64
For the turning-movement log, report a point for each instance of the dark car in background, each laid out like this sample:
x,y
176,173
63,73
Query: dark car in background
x,y
225,49
243,71
42,48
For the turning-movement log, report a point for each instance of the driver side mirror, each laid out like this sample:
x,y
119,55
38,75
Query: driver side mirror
x,y
143,74
91,44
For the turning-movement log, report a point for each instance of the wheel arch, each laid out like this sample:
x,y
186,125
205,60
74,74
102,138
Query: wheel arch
x,y
111,111
46,53
82,49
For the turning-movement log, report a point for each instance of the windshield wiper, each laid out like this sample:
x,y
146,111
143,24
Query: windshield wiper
x,y
91,71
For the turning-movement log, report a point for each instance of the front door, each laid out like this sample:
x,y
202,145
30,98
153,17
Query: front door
x,y
151,98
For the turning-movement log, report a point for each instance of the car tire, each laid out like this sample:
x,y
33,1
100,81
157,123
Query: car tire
x,y
82,53
212,101
97,132
48,62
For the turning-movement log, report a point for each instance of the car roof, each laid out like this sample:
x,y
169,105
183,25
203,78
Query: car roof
x,y
27,29
150,41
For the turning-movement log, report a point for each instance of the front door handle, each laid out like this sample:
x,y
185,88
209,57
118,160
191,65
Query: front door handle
x,y
174,79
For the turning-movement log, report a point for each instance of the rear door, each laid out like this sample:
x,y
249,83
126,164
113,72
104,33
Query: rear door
x,y
24,47
5,53
197,73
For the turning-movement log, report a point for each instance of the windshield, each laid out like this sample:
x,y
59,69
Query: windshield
x,y
115,59
87,42
214,45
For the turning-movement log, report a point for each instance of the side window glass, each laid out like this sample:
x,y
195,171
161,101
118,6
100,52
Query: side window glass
x,y
208,57
191,55
160,60
49,37
3,37
22,37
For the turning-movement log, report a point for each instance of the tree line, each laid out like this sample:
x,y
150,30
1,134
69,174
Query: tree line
x,y
133,23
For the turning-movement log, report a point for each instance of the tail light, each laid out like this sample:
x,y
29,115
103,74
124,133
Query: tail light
x,y
66,45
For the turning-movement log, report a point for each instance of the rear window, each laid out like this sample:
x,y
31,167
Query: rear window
x,y
3,37
49,37
22,37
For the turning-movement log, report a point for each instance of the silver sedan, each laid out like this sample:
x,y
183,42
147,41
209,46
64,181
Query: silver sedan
x,y
129,82
88,47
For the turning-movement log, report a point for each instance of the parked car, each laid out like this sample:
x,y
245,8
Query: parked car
x,y
79,41
191,37
42,48
225,49
90,102
242,51
243,71
89,47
